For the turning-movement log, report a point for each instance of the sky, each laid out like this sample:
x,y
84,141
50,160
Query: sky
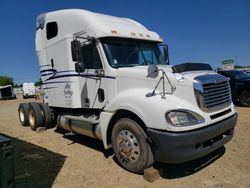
x,y
201,31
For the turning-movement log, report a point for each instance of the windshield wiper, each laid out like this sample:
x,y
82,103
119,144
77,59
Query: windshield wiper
x,y
120,66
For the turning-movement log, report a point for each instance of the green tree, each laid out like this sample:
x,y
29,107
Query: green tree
x,y
5,80
39,82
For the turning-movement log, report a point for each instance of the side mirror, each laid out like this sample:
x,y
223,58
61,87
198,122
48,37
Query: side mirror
x,y
76,56
76,50
165,54
79,67
153,71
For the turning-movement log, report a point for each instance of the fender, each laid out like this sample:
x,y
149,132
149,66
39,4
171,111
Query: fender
x,y
135,101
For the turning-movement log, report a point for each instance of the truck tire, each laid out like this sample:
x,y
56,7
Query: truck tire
x,y
244,98
46,114
35,116
23,112
130,146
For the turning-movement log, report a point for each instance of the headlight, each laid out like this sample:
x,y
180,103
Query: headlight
x,y
179,118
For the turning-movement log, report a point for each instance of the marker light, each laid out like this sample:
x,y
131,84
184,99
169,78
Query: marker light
x,y
113,31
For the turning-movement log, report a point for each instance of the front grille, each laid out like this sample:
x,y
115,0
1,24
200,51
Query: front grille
x,y
212,92
216,94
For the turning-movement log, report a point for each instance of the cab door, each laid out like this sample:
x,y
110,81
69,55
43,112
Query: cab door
x,y
93,91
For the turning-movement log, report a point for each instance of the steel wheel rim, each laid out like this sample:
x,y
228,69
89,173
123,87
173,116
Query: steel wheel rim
x,y
245,98
21,115
31,118
128,147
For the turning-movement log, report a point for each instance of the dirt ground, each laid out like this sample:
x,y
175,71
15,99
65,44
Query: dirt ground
x,y
55,159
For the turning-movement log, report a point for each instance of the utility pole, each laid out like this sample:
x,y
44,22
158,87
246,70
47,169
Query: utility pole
x,y
236,60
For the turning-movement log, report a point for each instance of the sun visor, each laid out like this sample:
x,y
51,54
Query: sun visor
x,y
184,67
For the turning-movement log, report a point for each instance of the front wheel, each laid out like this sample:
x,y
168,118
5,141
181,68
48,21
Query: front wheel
x,y
244,98
130,146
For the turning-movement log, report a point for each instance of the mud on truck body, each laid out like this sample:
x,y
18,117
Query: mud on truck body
x,y
106,77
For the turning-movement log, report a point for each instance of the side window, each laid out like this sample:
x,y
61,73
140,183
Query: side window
x,y
90,57
51,30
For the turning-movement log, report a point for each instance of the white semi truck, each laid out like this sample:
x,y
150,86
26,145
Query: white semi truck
x,y
29,90
109,78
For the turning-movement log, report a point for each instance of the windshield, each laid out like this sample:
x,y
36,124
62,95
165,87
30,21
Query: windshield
x,y
128,53
237,75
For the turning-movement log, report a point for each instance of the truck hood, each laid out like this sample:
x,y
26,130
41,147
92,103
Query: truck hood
x,y
134,88
242,83
138,76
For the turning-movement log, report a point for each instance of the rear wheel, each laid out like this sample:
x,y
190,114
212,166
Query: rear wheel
x,y
46,114
244,98
23,111
130,146
35,116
